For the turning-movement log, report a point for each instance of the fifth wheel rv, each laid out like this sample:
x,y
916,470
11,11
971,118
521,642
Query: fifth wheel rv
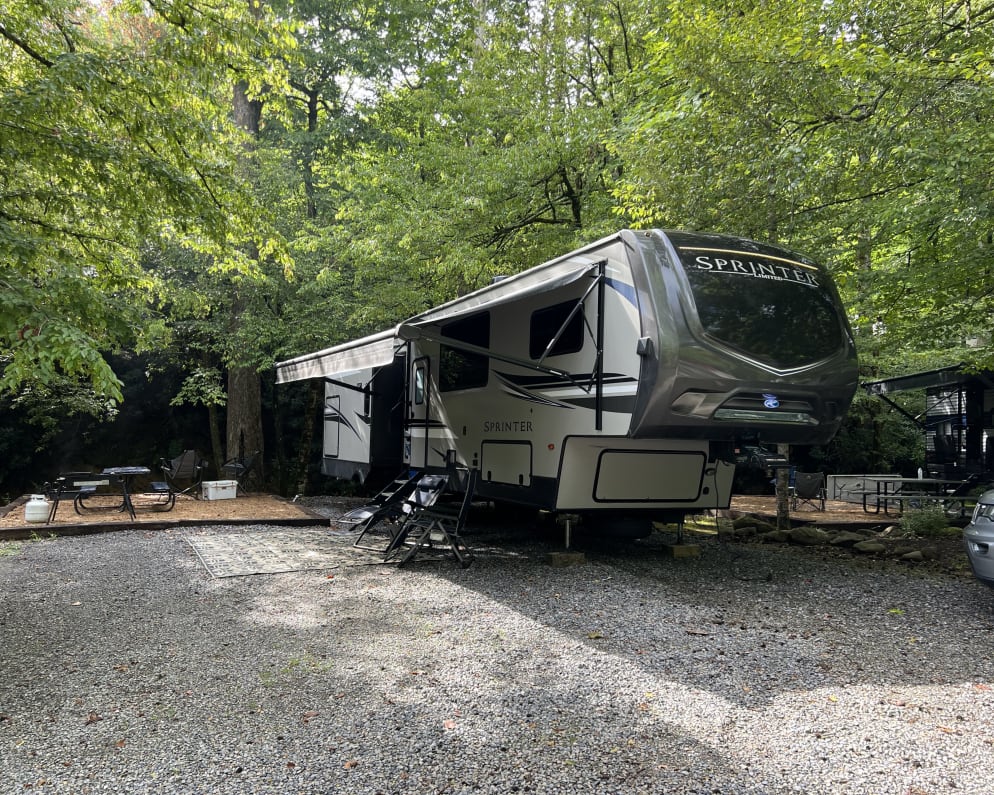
x,y
611,382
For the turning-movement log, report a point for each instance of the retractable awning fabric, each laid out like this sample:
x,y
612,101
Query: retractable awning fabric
x,y
944,376
376,350
379,349
541,279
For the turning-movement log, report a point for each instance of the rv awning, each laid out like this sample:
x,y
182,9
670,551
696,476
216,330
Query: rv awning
x,y
376,350
531,282
944,376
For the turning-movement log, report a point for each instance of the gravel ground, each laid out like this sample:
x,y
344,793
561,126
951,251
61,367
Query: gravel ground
x,y
127,669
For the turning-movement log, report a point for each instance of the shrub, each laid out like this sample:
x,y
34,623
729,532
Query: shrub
x,y
929,521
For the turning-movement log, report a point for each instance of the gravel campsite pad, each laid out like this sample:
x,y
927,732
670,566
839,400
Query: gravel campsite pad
x,y
129,668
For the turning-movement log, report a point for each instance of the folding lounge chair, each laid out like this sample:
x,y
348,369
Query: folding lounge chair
x,y
185,469
435,526
383,514
391,517
809,489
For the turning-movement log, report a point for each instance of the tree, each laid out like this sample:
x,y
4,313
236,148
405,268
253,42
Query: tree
x,y
112,136
490,156
858,134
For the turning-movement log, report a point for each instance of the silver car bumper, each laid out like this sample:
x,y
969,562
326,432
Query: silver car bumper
x,y
979,541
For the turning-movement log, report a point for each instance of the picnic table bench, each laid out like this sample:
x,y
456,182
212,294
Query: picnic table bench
x,y
108,490
884,501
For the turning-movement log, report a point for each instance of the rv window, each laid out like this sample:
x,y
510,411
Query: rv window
x,y
779,311
419,384
460,369
546,323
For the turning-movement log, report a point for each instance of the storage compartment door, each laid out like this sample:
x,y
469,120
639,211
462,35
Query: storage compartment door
x,y
657,476
506,462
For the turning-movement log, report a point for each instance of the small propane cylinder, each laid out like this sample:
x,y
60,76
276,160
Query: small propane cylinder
x,y
36,509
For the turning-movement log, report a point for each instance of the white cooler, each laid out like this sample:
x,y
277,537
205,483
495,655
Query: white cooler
x,y
220,489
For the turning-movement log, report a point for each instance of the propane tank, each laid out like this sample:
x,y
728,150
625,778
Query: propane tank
x,y
36,509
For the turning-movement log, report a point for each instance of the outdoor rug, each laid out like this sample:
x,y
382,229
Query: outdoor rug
x,y
277,551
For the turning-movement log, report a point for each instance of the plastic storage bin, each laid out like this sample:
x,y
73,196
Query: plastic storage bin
x,y
220,489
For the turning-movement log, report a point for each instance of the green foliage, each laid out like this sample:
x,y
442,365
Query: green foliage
x,y
874,438
929,521
408,153
858,133
491,160
115,132
202,387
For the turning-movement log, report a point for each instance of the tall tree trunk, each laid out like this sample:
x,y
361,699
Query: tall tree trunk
x,y
244,417
217,449
244,427
314,396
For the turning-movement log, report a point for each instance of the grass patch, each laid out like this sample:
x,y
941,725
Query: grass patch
x,y
9,549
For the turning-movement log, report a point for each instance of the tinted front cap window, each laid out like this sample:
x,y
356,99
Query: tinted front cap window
x,y
773,309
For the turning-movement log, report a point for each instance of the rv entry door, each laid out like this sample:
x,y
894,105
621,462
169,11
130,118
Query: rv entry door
x,y
419,413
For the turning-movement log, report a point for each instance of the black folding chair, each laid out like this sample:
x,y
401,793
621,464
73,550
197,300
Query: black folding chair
x,y
436,527
238,469
185,469
809,489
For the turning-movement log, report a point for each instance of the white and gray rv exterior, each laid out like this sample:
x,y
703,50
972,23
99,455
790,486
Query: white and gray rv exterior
x,y
613,380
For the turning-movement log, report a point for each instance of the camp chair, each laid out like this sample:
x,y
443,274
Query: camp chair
x,y
436,527
383,513
809,489
239,468
186,468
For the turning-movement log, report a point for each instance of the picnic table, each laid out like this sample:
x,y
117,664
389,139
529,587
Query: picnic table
x,y
895,491
109,490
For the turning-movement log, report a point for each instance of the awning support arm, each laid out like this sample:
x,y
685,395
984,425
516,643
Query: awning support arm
x,y
901,410
598,280
599,369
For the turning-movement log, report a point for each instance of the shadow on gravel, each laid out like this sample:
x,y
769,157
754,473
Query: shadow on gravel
x,y
746,622
746,670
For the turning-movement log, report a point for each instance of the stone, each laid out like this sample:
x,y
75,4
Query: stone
x,y
748,520
810,536
737,533
916,556
870,547
847,538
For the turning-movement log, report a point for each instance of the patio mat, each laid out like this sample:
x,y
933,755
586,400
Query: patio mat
x,y
276,551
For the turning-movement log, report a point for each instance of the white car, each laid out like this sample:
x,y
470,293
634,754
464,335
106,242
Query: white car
x,y
979,539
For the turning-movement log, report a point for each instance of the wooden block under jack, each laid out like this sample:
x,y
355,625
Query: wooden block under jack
x,y
683,550
562,559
